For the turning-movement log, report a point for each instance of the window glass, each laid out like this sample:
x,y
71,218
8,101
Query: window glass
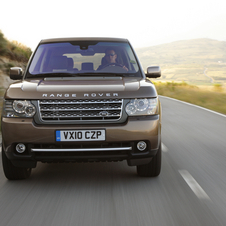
x,y
84,57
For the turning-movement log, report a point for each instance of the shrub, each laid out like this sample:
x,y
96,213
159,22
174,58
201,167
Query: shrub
x,y
218,87
14,50
3,44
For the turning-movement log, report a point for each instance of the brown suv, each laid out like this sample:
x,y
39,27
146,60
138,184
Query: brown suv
x,y
81,100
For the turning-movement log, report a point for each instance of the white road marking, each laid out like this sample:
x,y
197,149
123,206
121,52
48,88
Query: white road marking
x,y
193,184
164,148
193,105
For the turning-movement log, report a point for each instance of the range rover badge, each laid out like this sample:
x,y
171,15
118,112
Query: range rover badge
x,y
103,113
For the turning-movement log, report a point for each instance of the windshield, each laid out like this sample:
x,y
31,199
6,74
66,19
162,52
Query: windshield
x,y
84,58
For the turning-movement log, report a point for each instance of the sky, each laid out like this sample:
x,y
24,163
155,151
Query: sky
x,y
144,22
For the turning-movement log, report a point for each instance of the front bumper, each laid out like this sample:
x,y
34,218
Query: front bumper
x,y
120,143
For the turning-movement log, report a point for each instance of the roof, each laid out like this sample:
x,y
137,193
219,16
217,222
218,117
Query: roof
x,y
83,39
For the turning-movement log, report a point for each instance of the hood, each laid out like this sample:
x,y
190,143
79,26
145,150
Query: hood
x,y
80,87
81,84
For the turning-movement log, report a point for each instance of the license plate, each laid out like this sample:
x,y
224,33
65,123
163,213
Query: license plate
x,y
80,135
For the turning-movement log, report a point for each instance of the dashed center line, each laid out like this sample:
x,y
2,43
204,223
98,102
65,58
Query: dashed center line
x,y
164,148
193,184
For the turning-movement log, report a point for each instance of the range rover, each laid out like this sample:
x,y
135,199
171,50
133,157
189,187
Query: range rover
x,y
81,100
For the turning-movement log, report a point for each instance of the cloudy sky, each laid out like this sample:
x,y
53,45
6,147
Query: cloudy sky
x,y
143,22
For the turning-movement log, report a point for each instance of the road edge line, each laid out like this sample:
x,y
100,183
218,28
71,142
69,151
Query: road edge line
x,y
194,105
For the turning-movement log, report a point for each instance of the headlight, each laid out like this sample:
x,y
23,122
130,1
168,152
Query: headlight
x,y
142,107
18,108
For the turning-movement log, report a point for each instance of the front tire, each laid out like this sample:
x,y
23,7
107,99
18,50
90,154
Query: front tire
x,y
153,168
12,172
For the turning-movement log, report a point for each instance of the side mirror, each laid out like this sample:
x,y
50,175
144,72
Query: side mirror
x,y
153,72
16,73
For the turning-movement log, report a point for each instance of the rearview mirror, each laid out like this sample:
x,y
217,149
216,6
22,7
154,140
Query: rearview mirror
x,y
16,73
153,72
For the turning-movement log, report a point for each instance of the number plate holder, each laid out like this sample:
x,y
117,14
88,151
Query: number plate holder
x,y
80,135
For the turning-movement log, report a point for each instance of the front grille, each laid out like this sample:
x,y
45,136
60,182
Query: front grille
x,y
80,110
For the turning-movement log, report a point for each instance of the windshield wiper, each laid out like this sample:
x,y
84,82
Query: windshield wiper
x,y
53,74
93,74
112,74
85,74
105,74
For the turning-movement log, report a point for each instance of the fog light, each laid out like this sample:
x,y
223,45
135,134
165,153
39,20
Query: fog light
x,y
10,115
141,146
20,148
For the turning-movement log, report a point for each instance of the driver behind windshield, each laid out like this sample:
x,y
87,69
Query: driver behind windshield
x,y
110,59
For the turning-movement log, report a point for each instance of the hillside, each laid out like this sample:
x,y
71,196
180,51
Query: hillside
x,y
12,54
199,61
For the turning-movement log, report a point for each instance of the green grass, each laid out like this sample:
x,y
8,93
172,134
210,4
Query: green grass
x,y
214,100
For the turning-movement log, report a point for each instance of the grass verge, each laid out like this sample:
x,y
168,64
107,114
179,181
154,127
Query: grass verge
x,y
214,100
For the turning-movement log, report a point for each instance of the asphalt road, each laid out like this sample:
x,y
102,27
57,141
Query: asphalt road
x,y
191,189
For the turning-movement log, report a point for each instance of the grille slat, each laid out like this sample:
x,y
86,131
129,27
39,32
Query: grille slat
x,y
81,110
